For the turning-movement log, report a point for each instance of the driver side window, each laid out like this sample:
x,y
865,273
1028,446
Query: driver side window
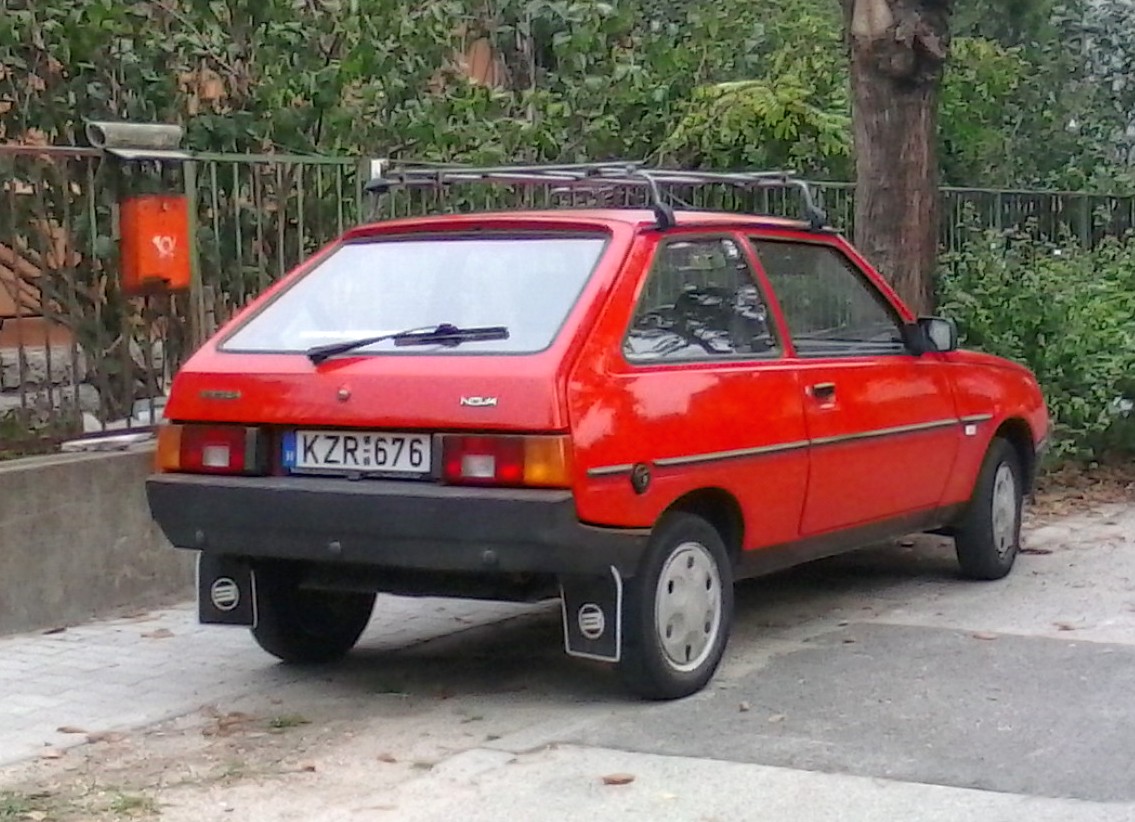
x,y
830,308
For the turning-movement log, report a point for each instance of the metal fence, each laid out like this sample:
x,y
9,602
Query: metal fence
x,y
79,356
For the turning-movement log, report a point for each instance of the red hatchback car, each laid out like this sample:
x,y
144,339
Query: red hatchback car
x,y
628,409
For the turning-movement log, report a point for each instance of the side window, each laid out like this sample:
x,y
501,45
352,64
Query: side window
x,y
830,308
700,301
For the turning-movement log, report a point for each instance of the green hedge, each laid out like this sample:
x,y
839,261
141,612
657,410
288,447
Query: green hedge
x,y
1066,311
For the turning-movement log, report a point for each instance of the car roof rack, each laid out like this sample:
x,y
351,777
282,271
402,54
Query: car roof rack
x,y
591,176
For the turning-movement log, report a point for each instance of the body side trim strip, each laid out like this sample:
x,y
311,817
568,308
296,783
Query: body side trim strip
x,y
609,470
886,432
720,456
779,448
972,418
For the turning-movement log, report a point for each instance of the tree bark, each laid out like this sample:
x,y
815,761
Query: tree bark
x,y
898,49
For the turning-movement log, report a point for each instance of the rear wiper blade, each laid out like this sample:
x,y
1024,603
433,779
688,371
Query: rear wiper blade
x,y
444,334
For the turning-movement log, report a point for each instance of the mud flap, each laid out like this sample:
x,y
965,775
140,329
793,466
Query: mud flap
x,y
226,591
593,616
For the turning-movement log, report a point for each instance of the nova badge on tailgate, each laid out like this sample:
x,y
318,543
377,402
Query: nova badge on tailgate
x,y
479,402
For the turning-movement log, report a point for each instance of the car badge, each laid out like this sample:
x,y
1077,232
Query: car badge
x,y
479,402
344,394
216,394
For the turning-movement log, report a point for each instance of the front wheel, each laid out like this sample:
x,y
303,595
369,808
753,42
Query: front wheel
x,y
678,610
989,536
307,626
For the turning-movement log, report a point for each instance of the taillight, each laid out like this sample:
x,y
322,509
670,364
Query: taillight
x,y
210,449
540,461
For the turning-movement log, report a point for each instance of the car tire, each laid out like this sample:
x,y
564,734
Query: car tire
x,y
988,538
303,626
678,610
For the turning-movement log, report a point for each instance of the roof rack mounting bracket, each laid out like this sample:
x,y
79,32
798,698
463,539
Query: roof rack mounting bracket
x,y
663,212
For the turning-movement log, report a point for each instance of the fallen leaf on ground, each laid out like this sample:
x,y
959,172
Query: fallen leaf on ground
x,y
618,779
58,630
225,724
105,736
385,757
1073,488
1035,551
984,635
848,641
777,718
51,753
161,633
1064,626
308,767
69,729
744,706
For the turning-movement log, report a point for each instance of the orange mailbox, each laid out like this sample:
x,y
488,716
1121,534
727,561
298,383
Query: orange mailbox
x,y
154,250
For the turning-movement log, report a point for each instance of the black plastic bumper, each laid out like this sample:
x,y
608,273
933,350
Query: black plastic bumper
x,y
388,524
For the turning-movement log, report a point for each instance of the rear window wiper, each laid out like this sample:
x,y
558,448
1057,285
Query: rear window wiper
x,y
444,334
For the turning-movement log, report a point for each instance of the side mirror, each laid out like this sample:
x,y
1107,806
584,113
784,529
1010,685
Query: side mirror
x,y
940,333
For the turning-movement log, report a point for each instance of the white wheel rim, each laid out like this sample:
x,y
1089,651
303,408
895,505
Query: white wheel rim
x,y
1004,509
687,606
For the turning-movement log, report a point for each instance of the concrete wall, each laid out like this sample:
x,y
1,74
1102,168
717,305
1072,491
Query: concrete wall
x,y
76,541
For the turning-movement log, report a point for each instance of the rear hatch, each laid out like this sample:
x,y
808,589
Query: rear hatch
x,y
477,326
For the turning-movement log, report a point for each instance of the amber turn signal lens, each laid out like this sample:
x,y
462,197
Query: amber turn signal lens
x,y
168,456
547,462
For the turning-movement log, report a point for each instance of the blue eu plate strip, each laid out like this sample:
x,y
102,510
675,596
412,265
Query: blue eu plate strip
x,y
289,449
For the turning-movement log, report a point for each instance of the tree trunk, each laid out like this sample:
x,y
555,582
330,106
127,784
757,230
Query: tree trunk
x,y
898,50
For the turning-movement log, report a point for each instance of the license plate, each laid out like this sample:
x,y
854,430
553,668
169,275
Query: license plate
x,y
357,451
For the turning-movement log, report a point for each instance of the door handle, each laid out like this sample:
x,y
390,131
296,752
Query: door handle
x,y
822,391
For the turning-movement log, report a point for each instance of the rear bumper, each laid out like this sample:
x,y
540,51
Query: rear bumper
x,y
388,524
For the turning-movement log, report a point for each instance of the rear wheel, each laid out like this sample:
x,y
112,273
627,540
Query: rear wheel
x,y
307,626
989,536
678,610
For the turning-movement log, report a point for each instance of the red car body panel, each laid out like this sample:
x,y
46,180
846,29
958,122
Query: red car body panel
x,y
901,434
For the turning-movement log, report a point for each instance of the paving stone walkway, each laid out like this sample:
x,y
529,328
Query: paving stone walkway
x,y
126,673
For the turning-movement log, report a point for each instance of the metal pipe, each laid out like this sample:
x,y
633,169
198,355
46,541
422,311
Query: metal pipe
x,y
153,136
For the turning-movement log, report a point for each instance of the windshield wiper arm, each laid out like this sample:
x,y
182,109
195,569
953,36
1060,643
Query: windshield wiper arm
x,y
444,334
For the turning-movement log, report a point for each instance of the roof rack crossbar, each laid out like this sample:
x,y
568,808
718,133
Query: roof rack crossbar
x,y
591,175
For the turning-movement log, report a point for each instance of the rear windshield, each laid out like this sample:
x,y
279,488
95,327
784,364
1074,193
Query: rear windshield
x,y
366,289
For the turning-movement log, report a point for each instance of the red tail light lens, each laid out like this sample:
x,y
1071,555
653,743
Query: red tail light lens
x,y
483,460
210,449
542,461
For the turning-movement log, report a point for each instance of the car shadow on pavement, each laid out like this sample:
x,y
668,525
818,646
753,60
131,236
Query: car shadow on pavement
x,y
523,657
816,588
518,657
